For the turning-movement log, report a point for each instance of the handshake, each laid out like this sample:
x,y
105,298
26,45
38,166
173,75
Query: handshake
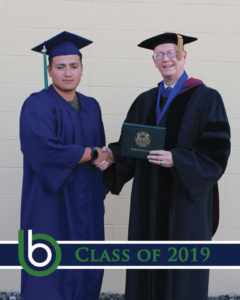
x,y
105,158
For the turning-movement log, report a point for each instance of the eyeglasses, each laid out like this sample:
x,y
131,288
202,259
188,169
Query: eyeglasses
x,y
170,54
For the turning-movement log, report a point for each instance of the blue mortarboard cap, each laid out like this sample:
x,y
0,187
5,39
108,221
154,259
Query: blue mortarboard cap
x,y
64,43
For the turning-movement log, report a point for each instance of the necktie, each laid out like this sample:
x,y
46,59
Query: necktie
x,y
165,94
168,89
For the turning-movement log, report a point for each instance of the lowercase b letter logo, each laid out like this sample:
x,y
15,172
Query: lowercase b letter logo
x,y
44,267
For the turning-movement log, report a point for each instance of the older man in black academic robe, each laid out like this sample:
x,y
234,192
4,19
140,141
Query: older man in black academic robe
x,y
174,194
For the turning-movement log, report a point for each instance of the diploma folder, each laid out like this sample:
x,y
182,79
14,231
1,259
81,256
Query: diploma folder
x,y
138,139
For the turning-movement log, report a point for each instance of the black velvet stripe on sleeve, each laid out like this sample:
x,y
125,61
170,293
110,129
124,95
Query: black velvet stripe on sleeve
x,y
217,127
216,148
206,143
219,157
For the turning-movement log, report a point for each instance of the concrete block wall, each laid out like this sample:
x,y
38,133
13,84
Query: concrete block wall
x,y
115,72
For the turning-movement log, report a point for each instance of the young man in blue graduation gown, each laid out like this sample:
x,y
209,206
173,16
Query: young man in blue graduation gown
x,y
61,132
174,194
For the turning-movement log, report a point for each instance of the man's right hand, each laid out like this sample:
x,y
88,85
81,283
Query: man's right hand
x,y
105,158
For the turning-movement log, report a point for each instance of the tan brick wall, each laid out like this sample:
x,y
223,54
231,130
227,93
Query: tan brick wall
x,y
115,72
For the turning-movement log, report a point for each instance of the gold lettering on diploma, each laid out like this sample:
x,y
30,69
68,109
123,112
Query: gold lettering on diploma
x,y
140,150
143,139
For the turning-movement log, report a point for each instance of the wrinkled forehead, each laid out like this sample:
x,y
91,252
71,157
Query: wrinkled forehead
x,y
165,47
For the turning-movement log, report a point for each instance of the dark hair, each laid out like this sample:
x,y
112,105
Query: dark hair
x,y
50,61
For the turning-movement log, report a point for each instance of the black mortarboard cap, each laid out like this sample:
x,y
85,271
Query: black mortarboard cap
x,y
64,43
167,37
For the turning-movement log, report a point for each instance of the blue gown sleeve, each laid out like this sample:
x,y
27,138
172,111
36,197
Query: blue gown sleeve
x,y
101,127
51,159
197,168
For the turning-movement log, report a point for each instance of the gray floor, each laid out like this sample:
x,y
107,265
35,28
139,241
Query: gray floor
x,y
104,296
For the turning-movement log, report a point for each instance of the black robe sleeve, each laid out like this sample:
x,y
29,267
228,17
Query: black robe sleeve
x,y
123,169
198,167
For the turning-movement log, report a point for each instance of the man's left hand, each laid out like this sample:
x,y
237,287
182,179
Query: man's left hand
x,y
161,158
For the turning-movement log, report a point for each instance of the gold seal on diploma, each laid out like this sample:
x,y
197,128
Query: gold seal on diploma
x,y
142,139
139,139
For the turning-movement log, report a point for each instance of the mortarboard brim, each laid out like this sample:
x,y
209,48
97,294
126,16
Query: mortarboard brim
x,y
64,43
167,37
164,38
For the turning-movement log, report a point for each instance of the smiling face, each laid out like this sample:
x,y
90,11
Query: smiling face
x,y
66,72
171,69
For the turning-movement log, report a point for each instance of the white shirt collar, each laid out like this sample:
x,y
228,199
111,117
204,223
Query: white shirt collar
x,y
172,86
